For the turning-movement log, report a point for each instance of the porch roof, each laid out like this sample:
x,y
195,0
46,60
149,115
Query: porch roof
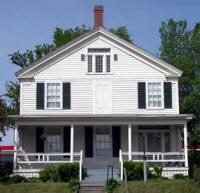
x,y
103,117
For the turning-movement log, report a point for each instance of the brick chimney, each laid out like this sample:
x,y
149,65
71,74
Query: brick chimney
x,y
98,15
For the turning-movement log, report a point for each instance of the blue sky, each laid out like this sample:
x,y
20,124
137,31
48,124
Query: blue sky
x,y
23,24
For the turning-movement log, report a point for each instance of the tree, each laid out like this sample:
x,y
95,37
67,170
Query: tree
x,y
180,47
3,117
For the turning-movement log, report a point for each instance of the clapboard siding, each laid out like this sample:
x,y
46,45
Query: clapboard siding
x,y
126,73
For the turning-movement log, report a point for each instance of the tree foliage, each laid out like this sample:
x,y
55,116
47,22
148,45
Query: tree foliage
x,y
3,116
181,48
122,32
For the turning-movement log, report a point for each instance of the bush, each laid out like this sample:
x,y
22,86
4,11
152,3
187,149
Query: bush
x,y
49,174
5,170
180,177
60,173
194,160
17,179
33,180
111,184
197,174
74,184
158,170
135,170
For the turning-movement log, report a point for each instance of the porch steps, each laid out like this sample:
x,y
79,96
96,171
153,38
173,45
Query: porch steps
x,y
100,175
92,188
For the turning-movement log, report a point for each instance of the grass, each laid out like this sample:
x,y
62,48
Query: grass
x,y
161,186
35,188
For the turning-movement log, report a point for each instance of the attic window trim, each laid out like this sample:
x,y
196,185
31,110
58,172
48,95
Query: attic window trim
x,y
99,50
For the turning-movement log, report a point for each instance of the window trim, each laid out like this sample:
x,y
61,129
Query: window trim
x,y
61,96
162,95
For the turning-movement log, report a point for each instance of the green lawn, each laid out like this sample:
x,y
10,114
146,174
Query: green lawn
x,y
161,186
35,188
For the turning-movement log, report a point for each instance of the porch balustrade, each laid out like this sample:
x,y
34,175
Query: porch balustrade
x,y
51,158
166,159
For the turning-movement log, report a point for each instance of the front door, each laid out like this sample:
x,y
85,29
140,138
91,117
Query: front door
x,y
103,145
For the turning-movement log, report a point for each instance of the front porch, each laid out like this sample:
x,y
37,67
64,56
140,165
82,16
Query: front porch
x,y
96,142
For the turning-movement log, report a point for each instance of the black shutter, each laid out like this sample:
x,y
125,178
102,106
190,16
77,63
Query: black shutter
x,y
88,141
40,96
66,95
141,95
168,95
116,140
66,139
39,140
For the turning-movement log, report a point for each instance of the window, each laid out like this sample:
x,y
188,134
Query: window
x,y
99,50
53,95
53,143
154,96
89,63
99,63
108,63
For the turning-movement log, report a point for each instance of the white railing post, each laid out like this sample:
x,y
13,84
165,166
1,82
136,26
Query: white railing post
x,y
129,142
80,165
72,144
16,138
185,144
121,164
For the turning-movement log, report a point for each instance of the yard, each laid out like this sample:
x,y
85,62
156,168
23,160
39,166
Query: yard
x,y
152,186
161,186
35,188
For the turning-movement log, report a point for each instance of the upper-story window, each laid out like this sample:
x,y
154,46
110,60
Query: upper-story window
x,y
53,95
89,63
99,60
154,94
108,63
99,63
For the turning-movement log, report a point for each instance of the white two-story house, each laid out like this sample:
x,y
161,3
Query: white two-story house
x,y
99,100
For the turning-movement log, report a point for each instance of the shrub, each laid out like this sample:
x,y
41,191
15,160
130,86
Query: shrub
x,y
33,180
194,160
157,170
180,177
111,184
135,170
197,174
68,171
74,184
49,174
17,179
60,173
5,170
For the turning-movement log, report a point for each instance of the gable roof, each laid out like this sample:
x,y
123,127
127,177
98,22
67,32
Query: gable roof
x,y
30,70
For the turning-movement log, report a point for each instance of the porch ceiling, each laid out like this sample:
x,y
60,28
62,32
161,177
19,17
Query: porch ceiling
x,y
103,117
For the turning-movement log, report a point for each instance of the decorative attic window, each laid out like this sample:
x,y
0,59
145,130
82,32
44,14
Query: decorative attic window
x,y
99,61
98,50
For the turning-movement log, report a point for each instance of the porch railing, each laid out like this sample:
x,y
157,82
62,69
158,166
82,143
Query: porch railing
x,y
50,158
167,159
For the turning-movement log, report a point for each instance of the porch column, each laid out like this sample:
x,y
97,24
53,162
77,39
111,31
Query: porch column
x,y
185,144
129,142
16,140
72,144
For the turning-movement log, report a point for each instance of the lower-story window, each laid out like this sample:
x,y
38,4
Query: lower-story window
x,y
53,140
154,141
